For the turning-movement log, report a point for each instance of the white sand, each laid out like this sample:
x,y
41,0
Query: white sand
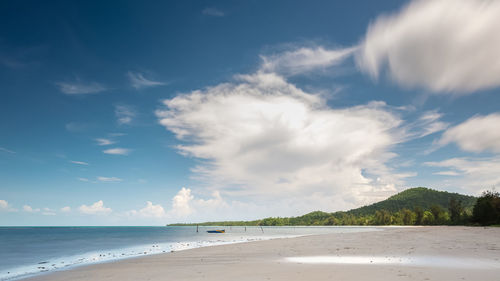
x,y
411,253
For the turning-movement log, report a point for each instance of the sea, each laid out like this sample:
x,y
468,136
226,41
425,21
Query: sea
x,y
28,251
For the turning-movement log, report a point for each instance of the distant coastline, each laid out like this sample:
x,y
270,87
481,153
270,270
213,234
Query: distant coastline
x,y
414,206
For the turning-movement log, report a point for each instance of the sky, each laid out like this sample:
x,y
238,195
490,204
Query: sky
x,y
136,113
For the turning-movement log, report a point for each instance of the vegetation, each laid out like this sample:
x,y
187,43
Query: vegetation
x,y
415,206
487,209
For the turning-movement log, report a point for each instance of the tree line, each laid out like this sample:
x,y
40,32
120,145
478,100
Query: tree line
x,y
485,211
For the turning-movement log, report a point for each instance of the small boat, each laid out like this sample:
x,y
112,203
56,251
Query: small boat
x,y
217,231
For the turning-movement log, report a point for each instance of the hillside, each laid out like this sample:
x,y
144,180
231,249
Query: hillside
x,y
415,197
397,209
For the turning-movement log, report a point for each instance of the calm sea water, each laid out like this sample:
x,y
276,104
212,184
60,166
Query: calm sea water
x,y
26,251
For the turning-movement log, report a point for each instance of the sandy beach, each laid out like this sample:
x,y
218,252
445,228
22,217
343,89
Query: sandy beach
x,y
408,253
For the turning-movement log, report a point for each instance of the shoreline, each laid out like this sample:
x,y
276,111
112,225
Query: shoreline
x,y
438,252
49,265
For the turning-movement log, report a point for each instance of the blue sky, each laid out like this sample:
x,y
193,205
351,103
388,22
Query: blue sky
x,y
144,114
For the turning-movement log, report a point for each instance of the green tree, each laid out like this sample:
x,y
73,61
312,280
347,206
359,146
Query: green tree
x,y
419,215
437,212
455,209
408,217
487,208
428,218
383,217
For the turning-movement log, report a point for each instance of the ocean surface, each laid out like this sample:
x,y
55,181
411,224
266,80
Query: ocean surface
x,y
26,251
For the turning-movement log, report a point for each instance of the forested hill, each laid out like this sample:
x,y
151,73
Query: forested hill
x,y
417,205
412,198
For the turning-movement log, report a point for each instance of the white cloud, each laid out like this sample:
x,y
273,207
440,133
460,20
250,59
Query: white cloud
x,y
124,114
80,88
211,11
474,175
103,142
138,81
66,209
151,210
79,163
447,173
477,134
48,212
442,45
3,149
303,60
29,209
109,179
4,204
117,151
97,208
428,123
186,206
83,179
181,203
262,136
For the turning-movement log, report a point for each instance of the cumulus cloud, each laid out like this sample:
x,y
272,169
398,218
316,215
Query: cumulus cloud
x,y
4,204
48,212
214,12
138,81
97,208
263,136
80,88
181,203
124,114
151,210
109,179
304,59
442,45
477,134
474,175
66,209
29,209
186,206
117,151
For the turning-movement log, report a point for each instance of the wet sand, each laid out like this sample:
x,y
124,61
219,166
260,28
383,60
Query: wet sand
x,y
407,253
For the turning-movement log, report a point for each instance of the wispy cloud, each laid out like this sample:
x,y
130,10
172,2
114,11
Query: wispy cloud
x,y
214,12
76,127
302,60
103,141
66,209
448,47
124,114
80,88
477,134
83,179
446,173
138,81
117,151
3,149
109,179
79,163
